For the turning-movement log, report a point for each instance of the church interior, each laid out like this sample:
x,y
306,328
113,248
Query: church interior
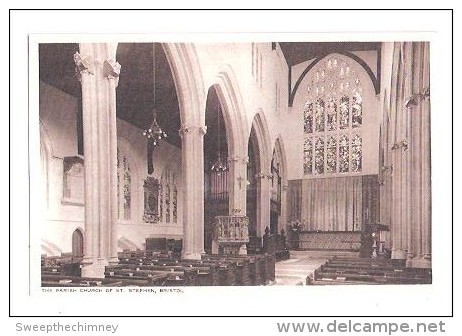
x,y
221,164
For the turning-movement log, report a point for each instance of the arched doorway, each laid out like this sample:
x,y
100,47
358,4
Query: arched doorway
x,y
216,168
77,244
259,176
252,176
278,188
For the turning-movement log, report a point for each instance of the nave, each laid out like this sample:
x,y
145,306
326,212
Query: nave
x,y
175,164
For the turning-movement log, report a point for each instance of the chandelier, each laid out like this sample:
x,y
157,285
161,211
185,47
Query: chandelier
x,y
154,133
219,164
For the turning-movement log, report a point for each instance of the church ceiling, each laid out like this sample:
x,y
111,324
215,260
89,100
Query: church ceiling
x,y
145,83
299,52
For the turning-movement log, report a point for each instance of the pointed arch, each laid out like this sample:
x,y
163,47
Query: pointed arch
x,y
374,80
281,153
46,153
259,141
229,95
186,70
261,133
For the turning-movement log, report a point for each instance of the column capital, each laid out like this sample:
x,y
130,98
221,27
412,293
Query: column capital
x,y
263,175
244,160
192,129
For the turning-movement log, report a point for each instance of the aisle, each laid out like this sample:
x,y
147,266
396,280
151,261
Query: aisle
x,y
303,264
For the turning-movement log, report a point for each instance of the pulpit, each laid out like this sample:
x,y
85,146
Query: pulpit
x,y
230,235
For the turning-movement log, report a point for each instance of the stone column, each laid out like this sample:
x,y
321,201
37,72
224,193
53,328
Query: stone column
x,y
238,185
419,113
98,73
398,156
193,190
283,215
263,202
425,152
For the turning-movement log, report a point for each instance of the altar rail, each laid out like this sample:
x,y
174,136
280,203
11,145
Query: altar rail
x,y
329,240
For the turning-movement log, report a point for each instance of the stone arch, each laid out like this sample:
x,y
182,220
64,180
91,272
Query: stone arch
x,y
186,73
260,133
229,95
189,86
369,113
280,152
365,72
185,67
46,153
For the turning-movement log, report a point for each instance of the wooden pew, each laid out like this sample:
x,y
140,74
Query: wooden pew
x,y
57,280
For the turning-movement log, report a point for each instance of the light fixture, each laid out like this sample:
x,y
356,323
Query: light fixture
x,y
154,133
219,165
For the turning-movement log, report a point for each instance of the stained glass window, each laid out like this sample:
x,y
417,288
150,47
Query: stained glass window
x,y
331,156
118,185
174,200
344,154
319,156
319,115
332,118
357,110
308,156
124,188
308,117
161,197
356,153
168,198
344,112
331,115
175,205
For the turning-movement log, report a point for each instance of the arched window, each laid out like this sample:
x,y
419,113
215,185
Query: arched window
x,y
333,118
124,187
276,181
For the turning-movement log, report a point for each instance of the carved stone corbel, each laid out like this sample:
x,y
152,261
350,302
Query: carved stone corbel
x,y
188,129
83,64
111,70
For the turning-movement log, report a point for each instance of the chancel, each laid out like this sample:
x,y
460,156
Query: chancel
x,y
221,164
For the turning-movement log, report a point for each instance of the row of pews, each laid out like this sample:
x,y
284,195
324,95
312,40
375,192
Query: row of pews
x,y
149,268
341,270
159,269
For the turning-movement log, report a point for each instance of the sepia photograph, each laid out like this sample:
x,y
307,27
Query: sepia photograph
x,y
222,164
238,169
